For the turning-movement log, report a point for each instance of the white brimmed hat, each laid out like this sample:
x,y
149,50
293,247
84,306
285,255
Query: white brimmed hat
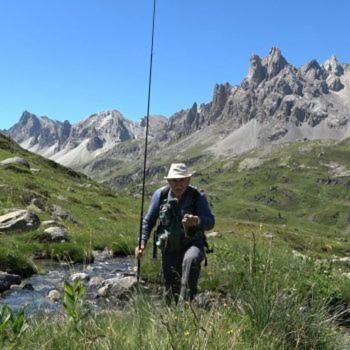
x,y
178,171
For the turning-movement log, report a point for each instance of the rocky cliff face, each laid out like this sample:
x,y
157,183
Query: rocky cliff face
x,y
41,135
74,145
279,98
276,102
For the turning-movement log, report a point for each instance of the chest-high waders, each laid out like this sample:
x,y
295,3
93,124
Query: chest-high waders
x,y
182,252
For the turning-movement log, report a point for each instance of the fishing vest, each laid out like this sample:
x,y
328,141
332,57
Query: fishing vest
x,y
170,235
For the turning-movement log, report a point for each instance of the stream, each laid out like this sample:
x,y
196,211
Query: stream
x,y
33,293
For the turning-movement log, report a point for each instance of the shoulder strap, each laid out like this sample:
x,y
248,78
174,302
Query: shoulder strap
x,y
164,194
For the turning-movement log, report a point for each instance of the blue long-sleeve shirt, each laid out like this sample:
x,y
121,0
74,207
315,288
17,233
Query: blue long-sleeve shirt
x,y
206,218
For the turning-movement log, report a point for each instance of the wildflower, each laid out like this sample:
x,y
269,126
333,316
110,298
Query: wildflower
x,y
186,333
230,331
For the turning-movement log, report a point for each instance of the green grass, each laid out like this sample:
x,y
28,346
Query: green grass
x,y
265,298
268,297
103,218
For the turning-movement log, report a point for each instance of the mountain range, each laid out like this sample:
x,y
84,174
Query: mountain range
x,y
275,103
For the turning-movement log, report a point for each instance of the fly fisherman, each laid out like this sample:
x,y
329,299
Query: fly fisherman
x,y
184,215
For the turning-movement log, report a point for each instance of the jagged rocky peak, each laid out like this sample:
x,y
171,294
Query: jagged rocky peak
x,y
333,66
191,115
154,121
26,116
108,126
28,126
257,72
312,70
264,69
220,94
274,62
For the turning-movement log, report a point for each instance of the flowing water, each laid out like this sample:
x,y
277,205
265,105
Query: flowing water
x,y
36,288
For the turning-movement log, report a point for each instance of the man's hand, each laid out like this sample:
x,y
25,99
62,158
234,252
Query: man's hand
x,y
139,251
190,220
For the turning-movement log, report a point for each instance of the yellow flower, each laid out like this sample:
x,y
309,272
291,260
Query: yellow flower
x,y
187,333
230,331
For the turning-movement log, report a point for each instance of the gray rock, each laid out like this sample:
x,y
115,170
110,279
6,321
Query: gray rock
x,y
213,234
207,299
54,295
7,279
15,160
49,223
59,213
54,234
19,220
81,276
38,202
35,170
96,281
117,287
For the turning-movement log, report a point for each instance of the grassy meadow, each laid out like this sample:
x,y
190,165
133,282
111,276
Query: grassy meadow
x,y
276,280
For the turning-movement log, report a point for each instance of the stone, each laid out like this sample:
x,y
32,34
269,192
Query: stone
x,y
95,281
35,170
49,223
81,276
213,234
15,161
58,212
27,286
38,202
7,280
19,220
54,234
54,295
207,299
117,286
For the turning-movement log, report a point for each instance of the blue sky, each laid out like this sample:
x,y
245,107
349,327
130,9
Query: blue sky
x,y
68,59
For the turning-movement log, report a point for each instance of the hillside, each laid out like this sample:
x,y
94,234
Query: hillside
x,y
280,264
94,216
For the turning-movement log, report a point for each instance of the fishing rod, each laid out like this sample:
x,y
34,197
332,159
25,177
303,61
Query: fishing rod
x,y
146,140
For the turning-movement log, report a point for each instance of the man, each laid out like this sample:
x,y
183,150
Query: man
x,y
183,214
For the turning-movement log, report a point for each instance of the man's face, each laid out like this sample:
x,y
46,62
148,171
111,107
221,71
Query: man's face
x,y
178,186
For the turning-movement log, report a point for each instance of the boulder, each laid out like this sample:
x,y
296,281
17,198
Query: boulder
x,y
96,281
81,276
38,203
7,279
117,287
54,234
19,220
59,213
15,161
54,295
